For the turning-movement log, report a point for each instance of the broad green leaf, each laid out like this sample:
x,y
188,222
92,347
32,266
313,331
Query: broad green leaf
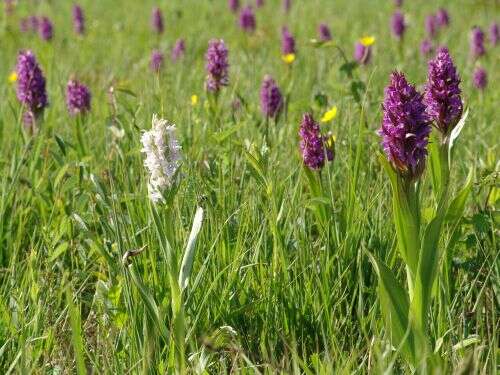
x,y
395,309
314,182
179,328
406,214
60,249
319,202
427,267
189,253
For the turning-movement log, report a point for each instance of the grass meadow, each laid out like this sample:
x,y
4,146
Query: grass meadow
x,y
281,279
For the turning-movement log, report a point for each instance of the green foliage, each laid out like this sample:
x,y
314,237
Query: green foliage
x,y
93,277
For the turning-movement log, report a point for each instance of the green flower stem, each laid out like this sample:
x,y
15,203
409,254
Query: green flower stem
x,y
406,210
444,162
79,136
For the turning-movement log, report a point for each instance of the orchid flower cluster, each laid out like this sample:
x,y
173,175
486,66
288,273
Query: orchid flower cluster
x,y
163,157
417,129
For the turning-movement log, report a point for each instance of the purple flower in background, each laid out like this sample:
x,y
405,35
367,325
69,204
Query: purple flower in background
x,y
217,65
477,42
313,145
287,42
234,5
362,53
287,4
34,22
442,92
480,78
78,98
157,20
442,17
156,61
398,24
78,20
405,127
178,49
271,100
426,47
247,19
494,33
24,25
259,3
398,3
324,33
31,90
45,29
9,7
431,25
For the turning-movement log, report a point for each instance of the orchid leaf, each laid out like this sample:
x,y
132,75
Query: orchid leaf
x,y
394,305
457,130
189,253
406,217
428,266
435,166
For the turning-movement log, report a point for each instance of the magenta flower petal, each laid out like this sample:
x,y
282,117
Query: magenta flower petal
x,y
78,98
442,92
217,65
271,100
405,127
313,145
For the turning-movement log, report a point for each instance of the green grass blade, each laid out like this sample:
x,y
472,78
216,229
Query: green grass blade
x,y
76,333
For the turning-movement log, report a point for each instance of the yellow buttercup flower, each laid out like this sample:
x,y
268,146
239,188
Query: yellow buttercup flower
x,y
367,40
289,58
194,100
12,77
330,114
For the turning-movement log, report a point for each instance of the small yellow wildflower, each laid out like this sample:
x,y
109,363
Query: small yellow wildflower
x,y
330,114
330,141
194,100
289,58
12,77
367,40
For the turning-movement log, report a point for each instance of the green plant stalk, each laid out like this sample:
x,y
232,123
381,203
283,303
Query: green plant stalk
x,y
444,162
406,211
80,137
213,100
166,237
178,327
316,190
406,214
178,324
430,253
